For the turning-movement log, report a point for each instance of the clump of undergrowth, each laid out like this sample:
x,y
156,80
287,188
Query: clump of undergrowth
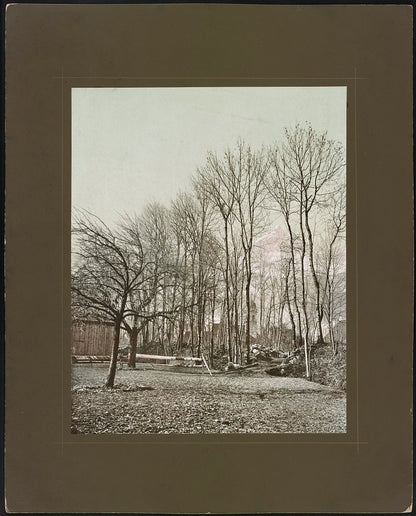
x,y
329,368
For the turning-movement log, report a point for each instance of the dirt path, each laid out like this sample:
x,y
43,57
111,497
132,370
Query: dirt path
x,y
189,403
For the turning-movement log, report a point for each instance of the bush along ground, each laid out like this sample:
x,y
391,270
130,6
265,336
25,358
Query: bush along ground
x,y
327,368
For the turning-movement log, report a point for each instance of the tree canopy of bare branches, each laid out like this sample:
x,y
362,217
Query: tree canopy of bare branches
x,y
192,277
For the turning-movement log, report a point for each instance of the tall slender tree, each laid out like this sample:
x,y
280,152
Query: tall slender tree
x,y
315,163
249,170
217,183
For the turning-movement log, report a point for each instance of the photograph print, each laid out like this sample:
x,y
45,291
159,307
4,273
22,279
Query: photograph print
x,y
208,260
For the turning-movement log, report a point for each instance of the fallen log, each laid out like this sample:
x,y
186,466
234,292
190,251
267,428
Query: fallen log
x,y
277,371
82,359
165,357
241,369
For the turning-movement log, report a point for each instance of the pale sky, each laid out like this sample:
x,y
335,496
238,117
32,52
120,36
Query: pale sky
x,y
131,146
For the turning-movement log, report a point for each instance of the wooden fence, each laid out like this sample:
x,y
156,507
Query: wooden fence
x,y
92,338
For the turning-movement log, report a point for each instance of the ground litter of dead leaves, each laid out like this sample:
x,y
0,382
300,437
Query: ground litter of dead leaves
x,y
164,402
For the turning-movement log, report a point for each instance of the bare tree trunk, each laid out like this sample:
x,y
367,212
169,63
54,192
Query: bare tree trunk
x,y
114,355
292,320
315,279
192,309
248,317
295,294
332,339
182,320
203,323
280,324
268,318
171,325
223,328
133,348
261,315
146,335
236,328
235,318
227,292
201,303
163,325
201,314
304,307
211,354
154,307
241,324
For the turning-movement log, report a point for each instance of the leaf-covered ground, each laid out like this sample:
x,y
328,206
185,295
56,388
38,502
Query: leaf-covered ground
x,y
164,402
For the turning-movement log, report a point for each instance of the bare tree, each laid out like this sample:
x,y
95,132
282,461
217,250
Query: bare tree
x,y
305,172
330,264
235,186
213,258
178,221
237,279
315,163
153,229
107,272
217,183
168,271
148,302
249,170
280,189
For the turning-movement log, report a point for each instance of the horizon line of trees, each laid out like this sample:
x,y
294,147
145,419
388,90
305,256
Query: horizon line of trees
x,y
170,273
